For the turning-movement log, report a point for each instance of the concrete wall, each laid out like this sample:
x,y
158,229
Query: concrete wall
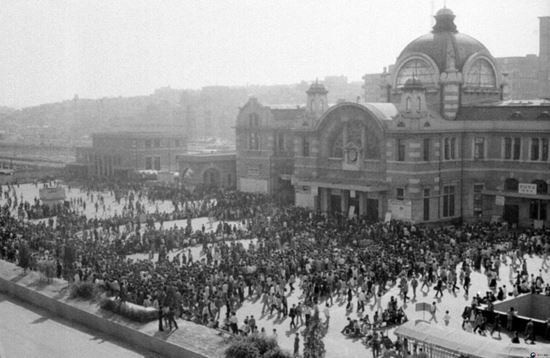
x,y
95,322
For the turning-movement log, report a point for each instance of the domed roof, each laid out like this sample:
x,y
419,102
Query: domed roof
x,y
317,87
445,42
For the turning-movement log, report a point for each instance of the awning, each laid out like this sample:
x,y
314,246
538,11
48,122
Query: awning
x,y
461,341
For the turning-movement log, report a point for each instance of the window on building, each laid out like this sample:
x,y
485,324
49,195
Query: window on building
x,y
305,147
542,187
478,200
537,210
517,148
426,149
400,193
408,104
281,143
535,149
539,149
401,150
156,143
177,143
253,119
419,103
157,163
148,163
448,201
253,141
147,143
426,204
453,148
479,148
507,148
449,148
511,184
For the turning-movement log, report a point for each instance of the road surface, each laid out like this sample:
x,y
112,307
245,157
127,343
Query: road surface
x,y
26,331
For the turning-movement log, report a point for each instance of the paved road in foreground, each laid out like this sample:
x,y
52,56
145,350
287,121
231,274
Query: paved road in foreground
x,y
26,331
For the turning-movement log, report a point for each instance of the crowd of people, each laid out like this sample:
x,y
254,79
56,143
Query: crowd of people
x,y
273,251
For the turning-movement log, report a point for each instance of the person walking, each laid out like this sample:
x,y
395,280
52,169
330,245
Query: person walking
x,y
292,315
171,318
433,310
510,319
414,285
439,287
326,312
160,319
296,345
466,285
530,332
447,318
376,343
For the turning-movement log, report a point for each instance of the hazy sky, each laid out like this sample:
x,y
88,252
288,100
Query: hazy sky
x,y
52,50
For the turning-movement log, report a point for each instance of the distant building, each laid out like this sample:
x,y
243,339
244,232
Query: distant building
x,y
544,57
210,170
118,154
521,75
265,146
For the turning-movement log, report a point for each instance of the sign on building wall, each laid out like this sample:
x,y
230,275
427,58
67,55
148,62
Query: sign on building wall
x,y
499,200
526,188
400,209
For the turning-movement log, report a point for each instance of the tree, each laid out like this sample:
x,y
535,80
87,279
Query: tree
x,y
277,353
313,337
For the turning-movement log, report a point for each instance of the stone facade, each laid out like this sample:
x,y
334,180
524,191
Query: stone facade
x,y
444,146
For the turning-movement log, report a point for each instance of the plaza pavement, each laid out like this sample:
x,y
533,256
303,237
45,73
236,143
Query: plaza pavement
x,y
336,344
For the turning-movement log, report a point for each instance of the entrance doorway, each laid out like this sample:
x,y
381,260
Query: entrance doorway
x,y
335,204
511,214
353,202
372,210
211,178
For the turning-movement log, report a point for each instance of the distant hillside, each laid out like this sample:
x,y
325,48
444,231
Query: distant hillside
x,y
210,111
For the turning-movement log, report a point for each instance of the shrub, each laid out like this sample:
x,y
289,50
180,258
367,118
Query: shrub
x,y
263,344
277,353
242,349
84,290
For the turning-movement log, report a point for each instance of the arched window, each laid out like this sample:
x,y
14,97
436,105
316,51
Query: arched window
x,y
481,75
417,69
408,104
322,106
419,102
511,184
